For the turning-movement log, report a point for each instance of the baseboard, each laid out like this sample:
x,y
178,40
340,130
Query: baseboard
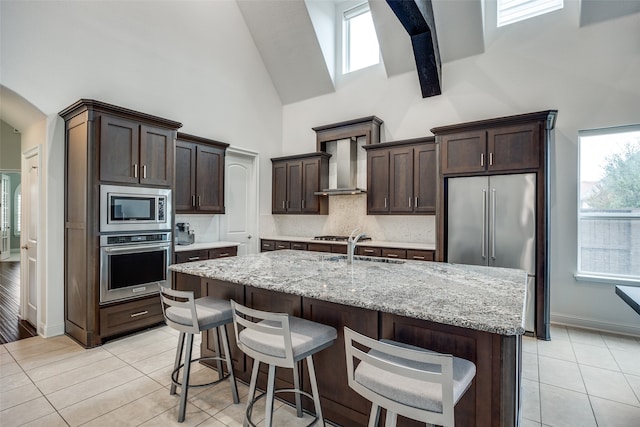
x,y
596,325
49,331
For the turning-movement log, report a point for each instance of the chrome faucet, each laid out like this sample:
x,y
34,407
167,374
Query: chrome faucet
x,y
351,244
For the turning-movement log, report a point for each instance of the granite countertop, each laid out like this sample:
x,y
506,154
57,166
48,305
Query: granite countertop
x,y
377,243
487,299
203,245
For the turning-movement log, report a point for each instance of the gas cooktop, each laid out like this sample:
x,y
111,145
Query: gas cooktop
x,y
339,238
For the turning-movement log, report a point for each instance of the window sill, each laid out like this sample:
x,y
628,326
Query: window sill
x,y
609,280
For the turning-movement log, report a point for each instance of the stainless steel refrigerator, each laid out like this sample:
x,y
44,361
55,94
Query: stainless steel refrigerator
x,y
492,221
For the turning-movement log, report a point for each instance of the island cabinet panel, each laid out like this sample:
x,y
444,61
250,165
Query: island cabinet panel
x,y
227,291
275,302
189,282
489,389
339,402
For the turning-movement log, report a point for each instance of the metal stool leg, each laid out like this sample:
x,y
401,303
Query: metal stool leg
x,y
314,389
268,405
216,348
172,390
296,385
227,357
252,390
184,390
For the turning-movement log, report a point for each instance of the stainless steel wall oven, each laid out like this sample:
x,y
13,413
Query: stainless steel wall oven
x,y
132,265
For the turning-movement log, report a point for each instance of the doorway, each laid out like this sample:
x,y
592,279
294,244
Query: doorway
x,y
240,224
12,326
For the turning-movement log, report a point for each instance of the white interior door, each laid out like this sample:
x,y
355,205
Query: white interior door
x,y
240,224
29,281
5,215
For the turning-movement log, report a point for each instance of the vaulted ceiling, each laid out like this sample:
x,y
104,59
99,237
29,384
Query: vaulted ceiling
x,y
297,38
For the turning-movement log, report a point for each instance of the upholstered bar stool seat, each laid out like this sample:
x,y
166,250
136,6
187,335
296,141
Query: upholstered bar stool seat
x,y
411,381
192,316
278,339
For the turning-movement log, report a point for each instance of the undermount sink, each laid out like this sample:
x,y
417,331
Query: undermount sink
x,y
343,258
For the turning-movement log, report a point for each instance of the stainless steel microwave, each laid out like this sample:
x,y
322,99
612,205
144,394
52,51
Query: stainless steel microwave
x,y
127,208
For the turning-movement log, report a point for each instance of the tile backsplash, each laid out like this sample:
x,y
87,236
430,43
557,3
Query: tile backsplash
x,y
346,213
206,227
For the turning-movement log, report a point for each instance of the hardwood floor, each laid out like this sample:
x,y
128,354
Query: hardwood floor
x,y
11,327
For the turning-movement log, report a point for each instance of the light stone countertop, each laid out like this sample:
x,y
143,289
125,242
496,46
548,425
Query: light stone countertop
x,y
203,245
487,299
377,243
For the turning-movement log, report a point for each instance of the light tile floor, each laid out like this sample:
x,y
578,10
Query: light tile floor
x,y
580,378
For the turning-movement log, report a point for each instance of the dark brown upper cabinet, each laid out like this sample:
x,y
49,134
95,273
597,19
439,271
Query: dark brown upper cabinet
x,y
402,177
134,153
199,175
296,179
499,149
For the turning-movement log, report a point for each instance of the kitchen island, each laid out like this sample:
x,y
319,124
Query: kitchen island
x,y
469,311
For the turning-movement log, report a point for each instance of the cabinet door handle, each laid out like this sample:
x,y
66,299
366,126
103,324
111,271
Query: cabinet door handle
x,y
199,204
418,257
135,170
283,205
223,254
385,202
193,200
409,201
392,256
415,205
144,171
481,159
194,258
302,203
490,159
140,313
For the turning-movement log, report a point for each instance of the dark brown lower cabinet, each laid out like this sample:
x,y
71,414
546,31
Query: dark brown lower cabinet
x,y
492,399
339,403
128,316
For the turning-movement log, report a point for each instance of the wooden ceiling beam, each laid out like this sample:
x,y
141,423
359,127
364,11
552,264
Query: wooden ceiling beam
x,y
416,16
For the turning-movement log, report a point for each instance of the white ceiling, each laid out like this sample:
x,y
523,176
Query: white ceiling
x,y
290,45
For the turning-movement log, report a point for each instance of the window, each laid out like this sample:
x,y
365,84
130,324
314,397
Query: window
x,y
510,11
17,210
609,205
359,41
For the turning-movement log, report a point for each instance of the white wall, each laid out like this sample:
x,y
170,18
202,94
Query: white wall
x,y
193,62
589,74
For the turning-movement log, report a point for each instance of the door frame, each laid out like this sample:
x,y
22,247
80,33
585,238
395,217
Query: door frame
x,y
26,210
10,208
255,164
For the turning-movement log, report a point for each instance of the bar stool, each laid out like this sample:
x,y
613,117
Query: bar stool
x,y
279,340
411,381
192,316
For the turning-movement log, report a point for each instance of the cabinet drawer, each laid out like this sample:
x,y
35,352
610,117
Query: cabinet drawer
x,y
339,249
267,245
420,255
223,252
189,256
129,316
368,251
394,253
299,246
319,247
282,245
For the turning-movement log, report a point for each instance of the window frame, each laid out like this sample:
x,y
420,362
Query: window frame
x,y
518,9
597,277
349,11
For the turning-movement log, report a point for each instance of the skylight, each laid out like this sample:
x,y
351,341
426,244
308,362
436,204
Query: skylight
x,y
360,44
510,11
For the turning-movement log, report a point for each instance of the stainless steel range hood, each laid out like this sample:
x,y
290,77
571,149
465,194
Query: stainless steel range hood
x,y
346,169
